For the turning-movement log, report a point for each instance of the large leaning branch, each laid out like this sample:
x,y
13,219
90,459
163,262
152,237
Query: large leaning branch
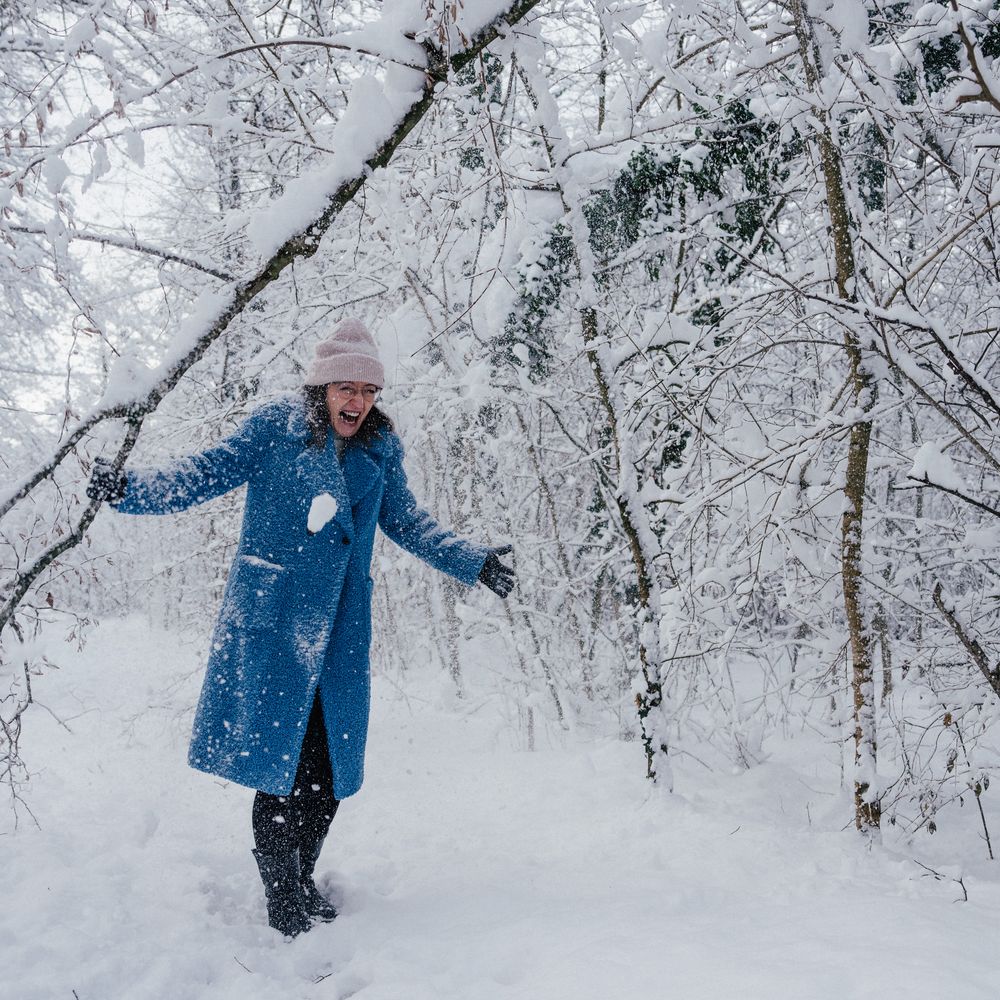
x,y
27,576
302,245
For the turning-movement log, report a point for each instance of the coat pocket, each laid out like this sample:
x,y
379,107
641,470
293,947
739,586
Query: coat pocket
x,y
254,595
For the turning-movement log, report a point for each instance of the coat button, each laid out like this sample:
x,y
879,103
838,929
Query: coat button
x,y
346,540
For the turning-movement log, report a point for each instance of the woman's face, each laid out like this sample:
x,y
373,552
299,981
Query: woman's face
x,y
349,403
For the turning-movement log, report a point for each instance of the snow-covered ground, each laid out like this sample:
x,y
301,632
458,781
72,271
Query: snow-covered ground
x,y
464,869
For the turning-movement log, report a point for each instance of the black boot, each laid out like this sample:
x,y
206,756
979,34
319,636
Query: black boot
x,y
316,904
282,887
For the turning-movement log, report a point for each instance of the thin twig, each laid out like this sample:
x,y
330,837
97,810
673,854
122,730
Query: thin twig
x,y
938,877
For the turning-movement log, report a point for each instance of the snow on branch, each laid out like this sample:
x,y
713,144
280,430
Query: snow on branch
x,y
109,240
897,317
931,467
924,480
971,644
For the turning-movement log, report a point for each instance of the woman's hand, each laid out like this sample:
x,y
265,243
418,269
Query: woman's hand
x,y
105,483
496,576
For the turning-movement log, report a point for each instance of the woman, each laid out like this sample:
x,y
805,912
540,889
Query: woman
x,y
284,704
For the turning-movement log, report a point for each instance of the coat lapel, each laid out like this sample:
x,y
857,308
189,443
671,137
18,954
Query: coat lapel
x,y
319,472
361,473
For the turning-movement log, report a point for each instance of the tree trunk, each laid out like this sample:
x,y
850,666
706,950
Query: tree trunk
x,y
867,809
649,701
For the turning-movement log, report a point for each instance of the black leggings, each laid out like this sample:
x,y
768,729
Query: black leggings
x,y
285,822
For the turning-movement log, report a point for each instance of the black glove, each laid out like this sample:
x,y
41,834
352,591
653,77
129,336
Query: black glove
x,y
105,483
496,576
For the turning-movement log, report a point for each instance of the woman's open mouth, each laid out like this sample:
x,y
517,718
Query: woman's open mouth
x,y
349,418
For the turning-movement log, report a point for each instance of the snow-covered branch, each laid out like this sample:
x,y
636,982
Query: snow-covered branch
x,y
134,244
971,644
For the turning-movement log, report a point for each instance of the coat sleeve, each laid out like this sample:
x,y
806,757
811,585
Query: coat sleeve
x,y
197,478
412,528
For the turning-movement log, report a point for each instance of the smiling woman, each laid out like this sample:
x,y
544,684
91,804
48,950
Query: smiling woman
x,y
342,387
284,705
349,403
348,366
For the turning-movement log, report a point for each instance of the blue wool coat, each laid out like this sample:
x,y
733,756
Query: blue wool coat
x,y
296,615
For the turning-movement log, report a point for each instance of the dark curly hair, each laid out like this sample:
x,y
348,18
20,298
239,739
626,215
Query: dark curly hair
x,y
375,425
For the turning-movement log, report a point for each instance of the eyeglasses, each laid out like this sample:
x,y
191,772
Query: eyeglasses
x,y
346,391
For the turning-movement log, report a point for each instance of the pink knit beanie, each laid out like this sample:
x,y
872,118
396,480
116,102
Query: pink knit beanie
x,y
350,355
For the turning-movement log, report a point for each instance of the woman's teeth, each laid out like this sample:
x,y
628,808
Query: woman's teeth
x,y
349,417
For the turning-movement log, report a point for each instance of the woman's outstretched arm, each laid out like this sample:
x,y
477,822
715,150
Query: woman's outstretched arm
x,y
196,478
413,528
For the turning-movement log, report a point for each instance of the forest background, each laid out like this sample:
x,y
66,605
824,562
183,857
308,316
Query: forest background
x,y
694,303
